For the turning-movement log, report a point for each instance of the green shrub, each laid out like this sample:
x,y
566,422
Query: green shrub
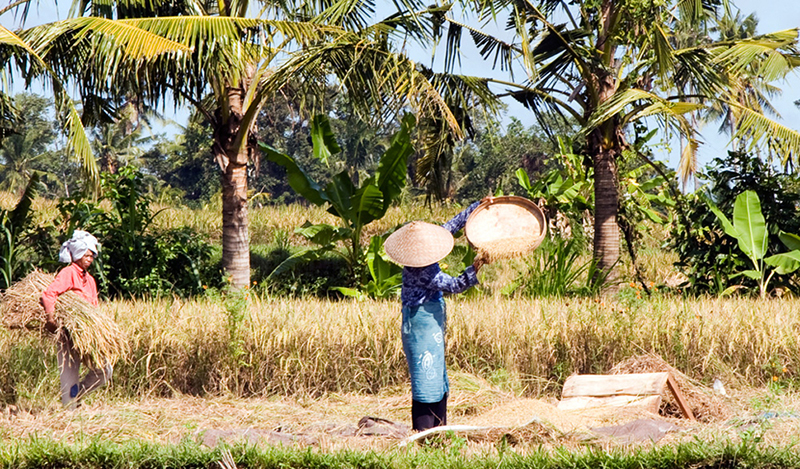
x,y
136,260
556,269
712,259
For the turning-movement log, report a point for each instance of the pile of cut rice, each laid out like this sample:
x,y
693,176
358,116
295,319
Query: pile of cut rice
x,y
94,333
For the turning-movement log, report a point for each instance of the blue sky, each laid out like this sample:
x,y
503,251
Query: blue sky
x,y
773,15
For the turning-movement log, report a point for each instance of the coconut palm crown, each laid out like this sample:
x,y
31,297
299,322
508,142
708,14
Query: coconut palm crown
x,y
26,50
606,64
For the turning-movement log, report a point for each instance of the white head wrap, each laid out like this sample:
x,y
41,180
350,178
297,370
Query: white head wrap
x,y
76,247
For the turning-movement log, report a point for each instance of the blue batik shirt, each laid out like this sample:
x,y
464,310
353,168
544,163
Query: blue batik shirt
x,y
424,284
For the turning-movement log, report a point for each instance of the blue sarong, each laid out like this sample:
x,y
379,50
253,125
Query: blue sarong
x,y
423,342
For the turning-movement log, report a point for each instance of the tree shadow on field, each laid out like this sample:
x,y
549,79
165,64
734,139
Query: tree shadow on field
x,y
314,278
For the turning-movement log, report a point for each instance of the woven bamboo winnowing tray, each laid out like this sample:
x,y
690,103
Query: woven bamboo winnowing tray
x,y
506,226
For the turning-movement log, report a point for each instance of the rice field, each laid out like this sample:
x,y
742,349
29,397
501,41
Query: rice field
x,y
266,345
269,361
265,221
282,346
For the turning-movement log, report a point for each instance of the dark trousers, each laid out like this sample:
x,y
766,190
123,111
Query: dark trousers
x,y
425,416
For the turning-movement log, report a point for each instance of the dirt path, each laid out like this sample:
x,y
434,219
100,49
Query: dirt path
x,y
332,422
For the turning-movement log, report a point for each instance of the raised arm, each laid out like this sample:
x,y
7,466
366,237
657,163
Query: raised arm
x,y
460,220
446,283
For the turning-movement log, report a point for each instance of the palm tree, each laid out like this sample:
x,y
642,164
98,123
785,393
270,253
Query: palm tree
x,y
120,142
29,143
233,69
216,78
748,88
22,50
613,63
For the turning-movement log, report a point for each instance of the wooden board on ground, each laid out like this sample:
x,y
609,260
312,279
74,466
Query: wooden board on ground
x,y
649,403
636,389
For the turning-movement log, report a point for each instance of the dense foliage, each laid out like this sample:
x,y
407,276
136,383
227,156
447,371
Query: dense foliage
x,y
135,259
709,257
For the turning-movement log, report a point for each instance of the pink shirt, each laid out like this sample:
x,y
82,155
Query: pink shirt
x,y
71,278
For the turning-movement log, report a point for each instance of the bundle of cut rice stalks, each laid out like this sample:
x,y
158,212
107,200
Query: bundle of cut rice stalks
x,y
94,333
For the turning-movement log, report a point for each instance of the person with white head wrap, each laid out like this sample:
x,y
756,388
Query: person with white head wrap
x,y
76,247
79,252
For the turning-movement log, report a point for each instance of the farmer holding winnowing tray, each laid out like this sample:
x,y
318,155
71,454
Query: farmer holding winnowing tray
x,y
79,251
418,247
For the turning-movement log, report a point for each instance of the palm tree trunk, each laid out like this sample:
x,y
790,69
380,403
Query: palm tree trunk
x,y
233,161
605,144
235,235
606,227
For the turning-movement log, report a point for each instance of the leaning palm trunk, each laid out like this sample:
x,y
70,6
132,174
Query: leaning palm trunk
x,y
94,333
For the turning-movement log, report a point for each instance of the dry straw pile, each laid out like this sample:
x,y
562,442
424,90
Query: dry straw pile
x,y
706,406
94,333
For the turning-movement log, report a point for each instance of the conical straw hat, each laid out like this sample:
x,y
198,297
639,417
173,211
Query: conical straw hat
x,y
419,244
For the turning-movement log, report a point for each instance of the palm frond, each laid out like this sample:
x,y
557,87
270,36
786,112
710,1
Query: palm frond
x,y
452,46
687,166
432,167
419,25
19,3
353,15
758,128
464,91
547,109
663,52
134,42
490,47
645,104
375,78
695,70
528,61
615,106
212,32
691,11
221,49
772,53
9,116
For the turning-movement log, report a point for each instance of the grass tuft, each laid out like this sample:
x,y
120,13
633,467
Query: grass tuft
x,y
38,453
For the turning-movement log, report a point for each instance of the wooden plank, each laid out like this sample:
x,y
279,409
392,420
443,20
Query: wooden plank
x,y
636,384
682,404
649,403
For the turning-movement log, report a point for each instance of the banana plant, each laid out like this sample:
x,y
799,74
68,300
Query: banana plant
x,y
749,228
385,279
355,206
567,190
